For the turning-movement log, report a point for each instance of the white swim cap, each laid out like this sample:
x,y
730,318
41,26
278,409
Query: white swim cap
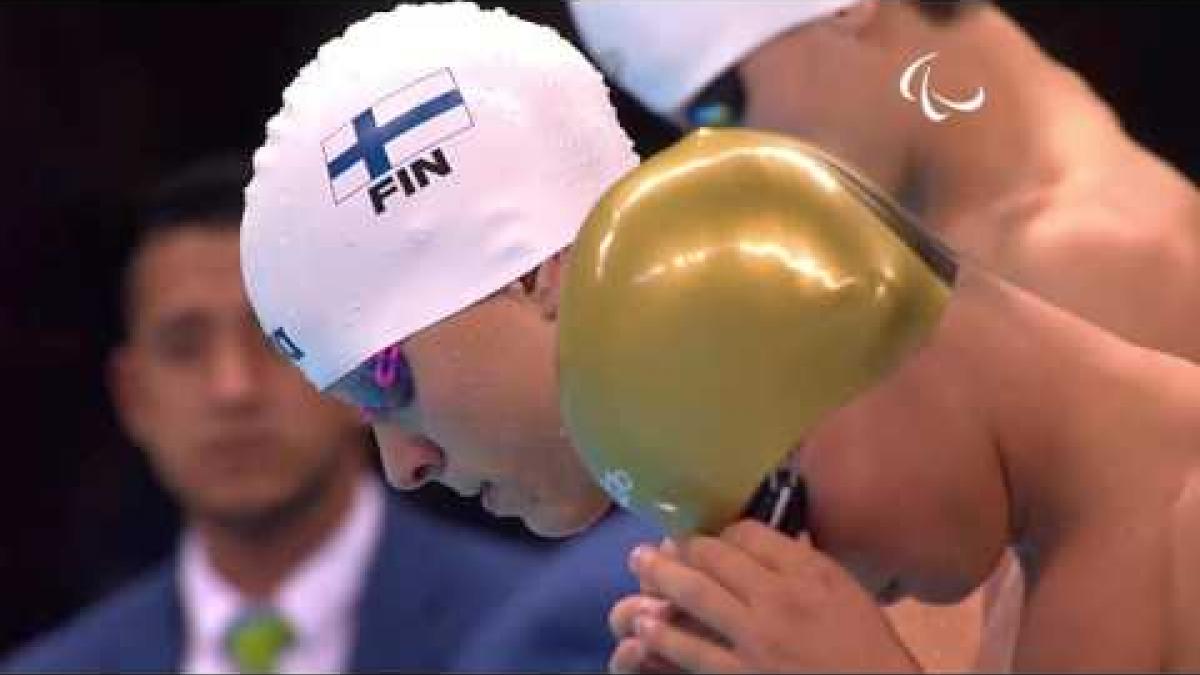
x,y
664,52
424,160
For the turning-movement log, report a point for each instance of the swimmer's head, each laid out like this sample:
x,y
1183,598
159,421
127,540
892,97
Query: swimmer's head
x,y
787,312
422,164
666,53
824,70
772,285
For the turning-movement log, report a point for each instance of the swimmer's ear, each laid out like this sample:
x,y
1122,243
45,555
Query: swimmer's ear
x,y
855,18
126,391
546,288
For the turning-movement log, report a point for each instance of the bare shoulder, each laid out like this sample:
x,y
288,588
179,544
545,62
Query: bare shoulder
x,y
1116,197
1125,256
1137,220
1075,245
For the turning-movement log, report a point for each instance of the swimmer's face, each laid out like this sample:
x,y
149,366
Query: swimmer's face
x,y
483,417
830,83
233,430
904,489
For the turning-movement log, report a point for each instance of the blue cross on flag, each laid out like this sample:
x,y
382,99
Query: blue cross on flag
x,y
398,126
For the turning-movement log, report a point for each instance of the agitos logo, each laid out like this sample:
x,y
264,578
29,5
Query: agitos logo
x,y
932,103
392,146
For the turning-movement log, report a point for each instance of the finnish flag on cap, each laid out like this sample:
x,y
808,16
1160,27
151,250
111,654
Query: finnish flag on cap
x,y
392,130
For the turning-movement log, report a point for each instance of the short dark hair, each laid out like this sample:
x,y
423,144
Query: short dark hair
x,y
205,193
209,189
944,11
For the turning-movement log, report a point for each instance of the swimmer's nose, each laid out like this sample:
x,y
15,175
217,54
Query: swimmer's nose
x,y
409,460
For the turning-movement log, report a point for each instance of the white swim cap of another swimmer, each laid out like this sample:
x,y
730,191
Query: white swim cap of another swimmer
x,y
664,52
425,159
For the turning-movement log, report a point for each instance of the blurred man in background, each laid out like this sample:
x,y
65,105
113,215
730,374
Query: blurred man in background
x,y
295,557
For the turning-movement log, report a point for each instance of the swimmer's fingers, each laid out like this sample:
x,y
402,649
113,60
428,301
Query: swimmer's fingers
x,y
769,603
631,656
658,642
692,592
622,615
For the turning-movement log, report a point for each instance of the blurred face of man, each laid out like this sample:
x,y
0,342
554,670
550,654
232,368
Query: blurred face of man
x,y
482,417
233,430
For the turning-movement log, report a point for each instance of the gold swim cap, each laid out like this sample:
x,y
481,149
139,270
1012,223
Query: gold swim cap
x,y
723,298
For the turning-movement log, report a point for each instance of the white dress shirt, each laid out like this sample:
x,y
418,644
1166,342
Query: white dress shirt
x,y
319,598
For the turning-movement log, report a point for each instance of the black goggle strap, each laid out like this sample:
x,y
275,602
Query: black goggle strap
x,y
781,502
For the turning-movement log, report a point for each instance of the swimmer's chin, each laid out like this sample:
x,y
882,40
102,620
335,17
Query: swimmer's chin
x,y
568,524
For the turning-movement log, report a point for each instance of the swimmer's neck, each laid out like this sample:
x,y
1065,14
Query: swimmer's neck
x,y
1037,119
1056,397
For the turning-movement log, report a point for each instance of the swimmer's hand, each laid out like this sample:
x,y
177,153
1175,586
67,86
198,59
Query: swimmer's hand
x,y
629,657
756,601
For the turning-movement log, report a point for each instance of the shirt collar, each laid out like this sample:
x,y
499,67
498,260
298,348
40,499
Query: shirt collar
x,y
324,590
319,593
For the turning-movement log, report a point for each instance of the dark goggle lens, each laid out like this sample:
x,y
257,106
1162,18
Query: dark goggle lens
x,y
721,104
384,382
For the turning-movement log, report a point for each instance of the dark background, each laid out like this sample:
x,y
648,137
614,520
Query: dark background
x,y
97,100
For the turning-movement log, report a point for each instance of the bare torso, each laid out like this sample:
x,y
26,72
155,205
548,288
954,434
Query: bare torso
x,y
1101,576
1114,237
1097,439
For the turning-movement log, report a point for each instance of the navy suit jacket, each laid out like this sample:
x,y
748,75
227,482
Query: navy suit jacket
x,y
428,588
559,623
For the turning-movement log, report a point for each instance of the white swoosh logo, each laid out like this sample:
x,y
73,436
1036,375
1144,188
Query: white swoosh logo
x,y
929,96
